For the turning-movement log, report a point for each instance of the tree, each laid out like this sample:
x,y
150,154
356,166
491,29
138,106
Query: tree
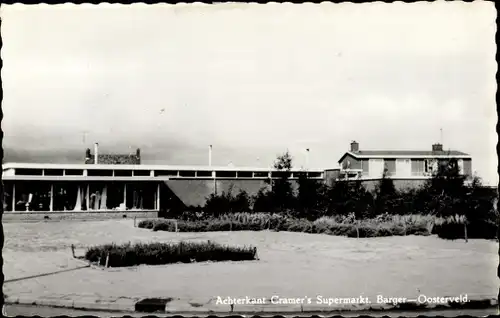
x,y
241,203
217,204
263,201
385,196
346,196
480,209
227,203
310,197
282,192
444,193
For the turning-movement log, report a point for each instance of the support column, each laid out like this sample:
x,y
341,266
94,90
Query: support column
x,y
51,208
158,198
155,204
125,196
87,198
13,196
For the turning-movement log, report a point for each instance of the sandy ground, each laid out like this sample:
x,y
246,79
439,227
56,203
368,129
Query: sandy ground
x,y
290,265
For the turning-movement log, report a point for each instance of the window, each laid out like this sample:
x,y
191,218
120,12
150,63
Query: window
x,y
280,174
225,174
73,172
244,174
461,166
376,167
205,174
314,174
141,173
123,173
159,173
300,174
187,174
430,165
100,173
53,172
29,172
260,175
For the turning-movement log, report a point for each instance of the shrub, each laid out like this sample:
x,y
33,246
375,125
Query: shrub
x,y
453,228
341,225
192,215
167,253
148,224
263,201
296,225
164,225
220,204
192,226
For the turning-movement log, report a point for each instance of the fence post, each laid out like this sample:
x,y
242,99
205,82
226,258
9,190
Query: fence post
x,y
107,260
73,250
176,228
465,232
134,221
231,226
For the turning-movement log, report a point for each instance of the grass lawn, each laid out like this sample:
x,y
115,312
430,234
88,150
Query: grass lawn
x,y
290,265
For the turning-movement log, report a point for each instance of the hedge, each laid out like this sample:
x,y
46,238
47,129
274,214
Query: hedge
x,y
341,225
166,253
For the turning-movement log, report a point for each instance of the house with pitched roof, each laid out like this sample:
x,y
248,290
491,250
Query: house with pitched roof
x,y
406,168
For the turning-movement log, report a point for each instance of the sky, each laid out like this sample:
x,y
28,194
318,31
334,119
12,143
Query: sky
x,y
253,80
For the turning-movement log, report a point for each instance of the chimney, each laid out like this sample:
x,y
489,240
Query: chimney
x,y
138,155
96,153
437,147
210,156
354,146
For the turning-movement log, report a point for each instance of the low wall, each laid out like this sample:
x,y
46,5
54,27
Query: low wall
x,y
67,215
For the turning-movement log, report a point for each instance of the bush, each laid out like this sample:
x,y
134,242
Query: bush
x,y
148,224
220,204
192,215
340,225
164,225
167,253
453,228
263,201
192,226
451,231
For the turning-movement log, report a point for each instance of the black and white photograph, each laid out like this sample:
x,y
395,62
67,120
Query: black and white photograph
x,y
251,159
